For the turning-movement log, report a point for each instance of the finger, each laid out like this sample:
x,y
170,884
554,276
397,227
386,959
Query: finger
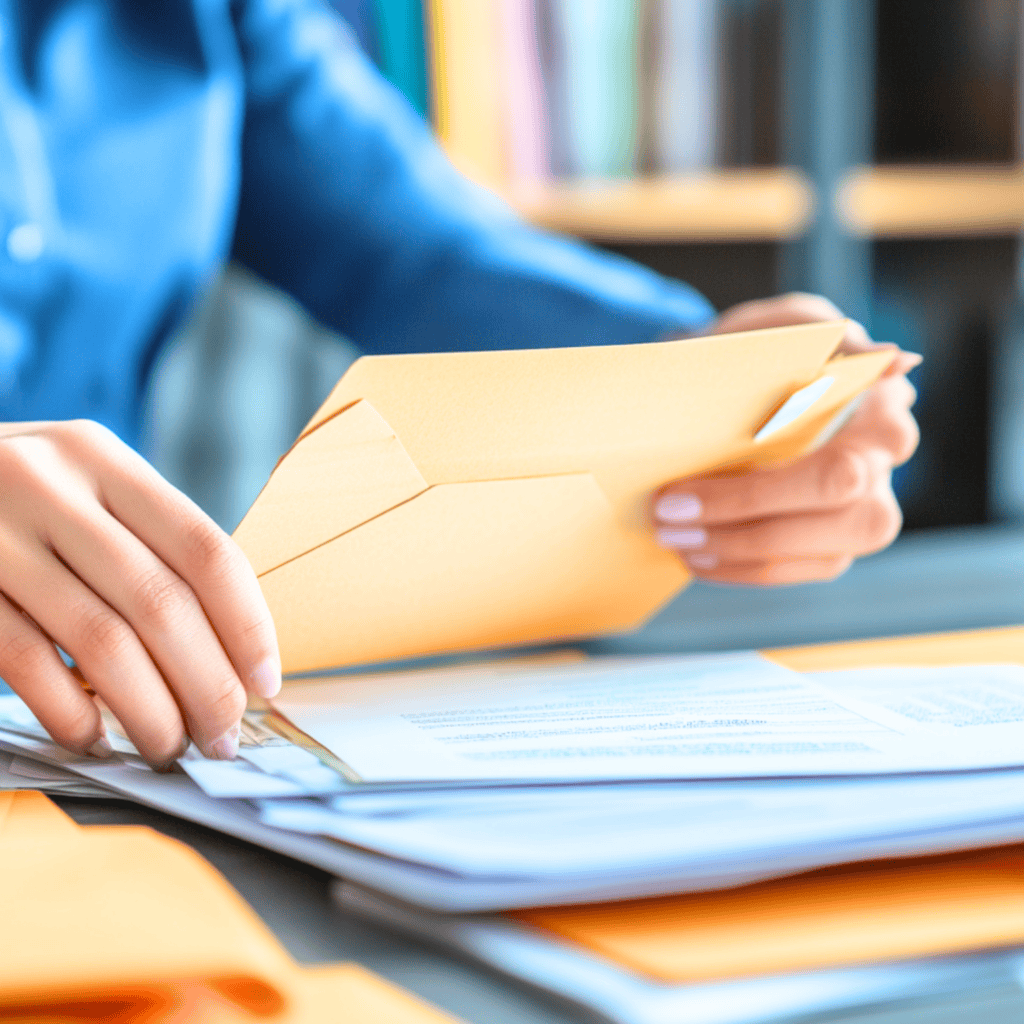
x,y
832,477
883,424
866,526
32,668
106,649
167,616
803,308
206,558
784,311
773,574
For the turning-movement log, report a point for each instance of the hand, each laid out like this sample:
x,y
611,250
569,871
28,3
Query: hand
x,y
809,519
159,608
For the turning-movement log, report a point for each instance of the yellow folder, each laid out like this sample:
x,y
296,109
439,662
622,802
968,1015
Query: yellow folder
x,y
106,924
461,501
834,917
850,914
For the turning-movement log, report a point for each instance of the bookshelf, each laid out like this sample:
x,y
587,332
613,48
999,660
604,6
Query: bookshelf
x,y
932,201
722,205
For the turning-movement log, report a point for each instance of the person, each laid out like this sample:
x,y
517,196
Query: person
x,y
144,143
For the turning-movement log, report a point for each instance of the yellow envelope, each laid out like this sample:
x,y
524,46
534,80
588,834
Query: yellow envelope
x,y
469,500
112,924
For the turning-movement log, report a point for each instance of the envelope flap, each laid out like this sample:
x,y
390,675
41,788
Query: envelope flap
x,y
345,472
121,907
493,415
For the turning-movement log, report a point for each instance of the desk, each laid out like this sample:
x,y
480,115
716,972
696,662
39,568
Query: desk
x,y
947,580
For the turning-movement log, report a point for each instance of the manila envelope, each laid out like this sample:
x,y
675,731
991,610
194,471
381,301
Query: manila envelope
x,y
471,500
108,925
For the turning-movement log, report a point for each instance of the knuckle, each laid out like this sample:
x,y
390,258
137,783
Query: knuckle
x,y
84,434
101,635
906,437
843,475
882,520
815,306
20,459
225,702
24,656
754,543
208,551
161,598
163,742
76,727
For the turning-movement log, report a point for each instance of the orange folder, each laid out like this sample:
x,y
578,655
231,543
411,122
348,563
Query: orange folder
x,y
111,924
469,500
833,917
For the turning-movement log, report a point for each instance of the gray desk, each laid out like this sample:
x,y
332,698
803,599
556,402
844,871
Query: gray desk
x,y
924,583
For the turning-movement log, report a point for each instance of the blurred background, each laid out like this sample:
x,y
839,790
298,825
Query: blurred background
x,y
868,151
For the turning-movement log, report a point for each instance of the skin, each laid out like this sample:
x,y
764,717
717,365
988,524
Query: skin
x,y
158,607
810,519
165,620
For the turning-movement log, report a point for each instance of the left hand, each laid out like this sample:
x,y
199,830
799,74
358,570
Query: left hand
x,y
807,520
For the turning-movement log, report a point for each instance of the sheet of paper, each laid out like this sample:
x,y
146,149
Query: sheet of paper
x,y
449,891
713,716
643,828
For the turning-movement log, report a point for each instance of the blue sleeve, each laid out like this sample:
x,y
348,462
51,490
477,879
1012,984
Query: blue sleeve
x,y
348,203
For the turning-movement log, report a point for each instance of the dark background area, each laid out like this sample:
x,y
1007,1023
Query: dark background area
x,y
945,93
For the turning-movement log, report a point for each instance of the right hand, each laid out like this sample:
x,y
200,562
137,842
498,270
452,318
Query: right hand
x,y
158,607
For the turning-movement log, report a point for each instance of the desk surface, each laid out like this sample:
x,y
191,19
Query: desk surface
x,y
926,582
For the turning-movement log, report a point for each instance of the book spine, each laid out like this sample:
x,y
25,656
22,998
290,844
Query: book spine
x,y
401,48
529,149
601,84
686,92
467,72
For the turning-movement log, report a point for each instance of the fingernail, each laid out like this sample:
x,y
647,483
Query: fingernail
x,y
226,748
682,538
101,748
678,508
168,766
702,561
266,678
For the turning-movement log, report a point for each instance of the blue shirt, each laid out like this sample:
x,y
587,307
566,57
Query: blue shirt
x,y
143,143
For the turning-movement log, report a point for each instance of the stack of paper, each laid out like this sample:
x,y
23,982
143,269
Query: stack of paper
x,y
473,841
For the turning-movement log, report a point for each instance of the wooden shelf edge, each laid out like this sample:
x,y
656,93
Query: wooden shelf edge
x,y
932,201
724,205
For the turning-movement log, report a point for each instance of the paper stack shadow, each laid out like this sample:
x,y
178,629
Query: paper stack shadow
x,y
463,501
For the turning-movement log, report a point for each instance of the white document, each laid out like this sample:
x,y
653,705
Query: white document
x,y
708,827
700,717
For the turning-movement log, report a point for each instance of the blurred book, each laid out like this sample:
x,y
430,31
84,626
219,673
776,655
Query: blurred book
x,y
467,85
398,30
683,73
601,84
529,131
525,90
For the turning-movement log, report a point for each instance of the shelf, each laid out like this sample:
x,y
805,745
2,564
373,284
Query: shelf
x,y
722,205
936,201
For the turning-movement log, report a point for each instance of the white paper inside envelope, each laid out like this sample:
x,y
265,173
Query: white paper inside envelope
x,y
794,407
